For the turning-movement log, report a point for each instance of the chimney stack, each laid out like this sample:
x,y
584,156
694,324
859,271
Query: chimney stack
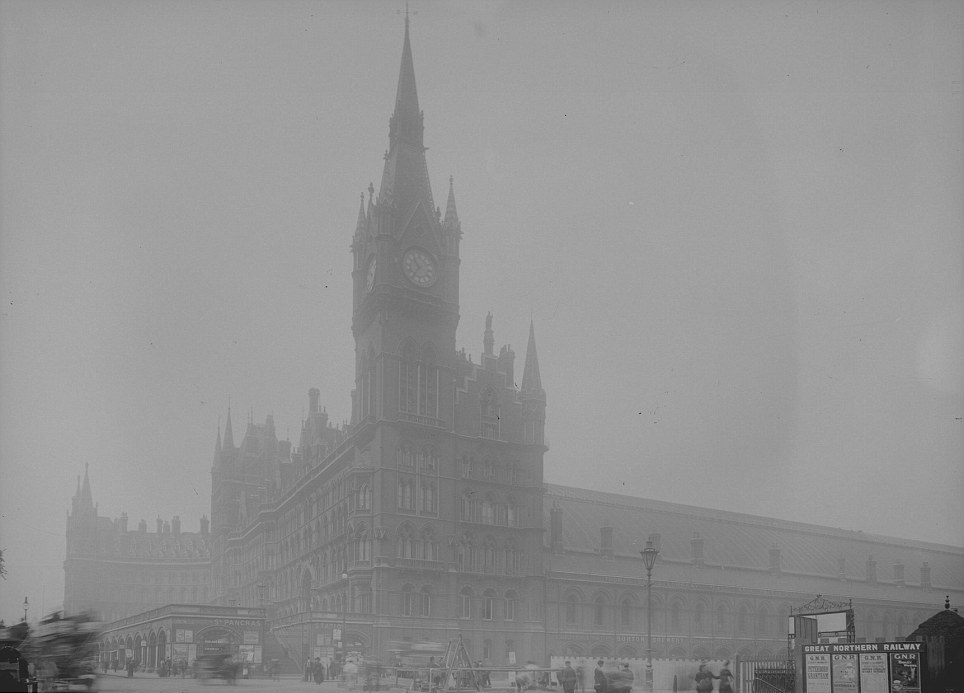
x,y
313,395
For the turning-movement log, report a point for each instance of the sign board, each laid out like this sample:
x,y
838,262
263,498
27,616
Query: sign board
x,y
828,626
880,667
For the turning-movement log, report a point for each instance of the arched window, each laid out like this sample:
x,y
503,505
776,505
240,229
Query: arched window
x,y
408,600
674,616
489,403
599,611
488,605
488,512
368,383
418,383
428,497
763,621
405,548
571,608
365,497
511,602
626,610
406,492
720,618
469,510
741,619
513,559
488,555
426,601
465,603
699,623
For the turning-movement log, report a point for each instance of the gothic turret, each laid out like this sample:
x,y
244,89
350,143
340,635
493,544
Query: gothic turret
x,y
405,181
533,396
228,434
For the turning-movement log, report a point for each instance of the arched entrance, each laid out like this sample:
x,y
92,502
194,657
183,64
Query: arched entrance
x,y
152,651
217,640
162,645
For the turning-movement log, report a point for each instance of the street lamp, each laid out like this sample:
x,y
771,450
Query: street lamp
x,y
344,619
25,609
649,555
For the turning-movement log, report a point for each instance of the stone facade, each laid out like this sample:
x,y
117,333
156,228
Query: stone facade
x,y
428,516
113,572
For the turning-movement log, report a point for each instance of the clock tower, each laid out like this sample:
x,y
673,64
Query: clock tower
x,y
442,470
406,279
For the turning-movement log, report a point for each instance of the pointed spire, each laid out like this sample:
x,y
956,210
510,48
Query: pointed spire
x,y
85,493
228,433
451,215
531,380
405,181
361,224
406,96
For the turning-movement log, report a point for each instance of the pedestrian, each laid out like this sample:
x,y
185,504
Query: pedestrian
x,y
704,679
318,671
567,678
599,682
726,678
627,678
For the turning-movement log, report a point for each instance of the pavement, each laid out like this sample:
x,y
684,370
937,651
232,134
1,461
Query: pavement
x,y
143,683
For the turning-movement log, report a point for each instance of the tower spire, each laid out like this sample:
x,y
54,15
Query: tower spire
x,y
405,180
361,224
85,492
228,432
451,214
531,380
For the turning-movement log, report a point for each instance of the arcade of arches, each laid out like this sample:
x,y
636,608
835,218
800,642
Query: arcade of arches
x,y
182,633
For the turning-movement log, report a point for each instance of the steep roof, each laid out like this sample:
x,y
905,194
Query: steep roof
x,y
944,622
734,542
531,379
405,181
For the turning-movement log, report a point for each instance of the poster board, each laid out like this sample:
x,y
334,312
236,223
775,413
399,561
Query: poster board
x,y
881,667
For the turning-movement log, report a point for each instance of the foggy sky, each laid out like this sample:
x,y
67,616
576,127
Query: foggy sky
x,y
737,228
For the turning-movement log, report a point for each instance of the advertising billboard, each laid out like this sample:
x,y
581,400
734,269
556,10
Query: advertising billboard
x,y
880,667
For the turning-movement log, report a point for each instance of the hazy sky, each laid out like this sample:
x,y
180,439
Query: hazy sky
x,y
736,225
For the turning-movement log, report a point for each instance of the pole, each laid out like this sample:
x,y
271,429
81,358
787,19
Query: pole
x,y
649,555
649,628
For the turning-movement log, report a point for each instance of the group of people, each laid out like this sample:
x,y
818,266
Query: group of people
x,y
175,667
704,679
619,681
315,670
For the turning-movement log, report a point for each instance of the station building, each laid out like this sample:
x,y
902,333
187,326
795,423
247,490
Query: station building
x,y
428,516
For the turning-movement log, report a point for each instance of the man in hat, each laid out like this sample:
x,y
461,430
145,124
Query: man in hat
x,y
600,684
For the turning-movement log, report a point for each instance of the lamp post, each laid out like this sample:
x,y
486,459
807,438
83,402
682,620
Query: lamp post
x,y
25,605
649,555
344,620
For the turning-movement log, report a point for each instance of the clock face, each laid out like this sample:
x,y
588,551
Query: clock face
x,y
370,277
419,267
